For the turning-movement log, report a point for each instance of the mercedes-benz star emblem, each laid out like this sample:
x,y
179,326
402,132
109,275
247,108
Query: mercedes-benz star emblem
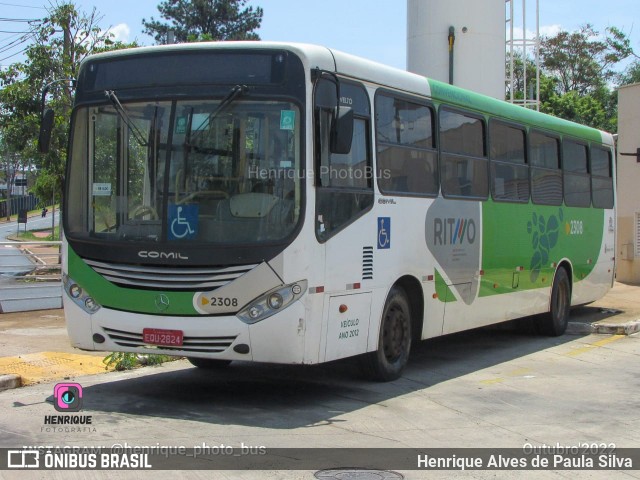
x,y
162,302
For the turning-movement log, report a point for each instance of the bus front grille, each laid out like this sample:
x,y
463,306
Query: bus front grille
x,y
189,344
168,279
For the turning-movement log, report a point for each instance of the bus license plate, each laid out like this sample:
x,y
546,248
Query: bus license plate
x,y
158,336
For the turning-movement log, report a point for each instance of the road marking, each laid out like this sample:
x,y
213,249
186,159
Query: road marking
x,y
49,366
590,347
518,372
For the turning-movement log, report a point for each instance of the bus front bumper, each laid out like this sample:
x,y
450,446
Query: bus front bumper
x,y
277,339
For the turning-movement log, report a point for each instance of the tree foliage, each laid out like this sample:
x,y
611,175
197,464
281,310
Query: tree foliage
x,y
63,39
583,61
578,75
200,20
631,74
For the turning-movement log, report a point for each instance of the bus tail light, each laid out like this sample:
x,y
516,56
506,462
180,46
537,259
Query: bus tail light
x,y
79,296
272,302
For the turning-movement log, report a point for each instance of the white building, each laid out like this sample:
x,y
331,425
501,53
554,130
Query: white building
x,y
628,241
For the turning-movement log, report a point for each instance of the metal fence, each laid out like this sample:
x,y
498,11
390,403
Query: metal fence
x,y
26,202
30,276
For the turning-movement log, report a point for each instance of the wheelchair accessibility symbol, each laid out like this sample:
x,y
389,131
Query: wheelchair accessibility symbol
x,y
183,222
384,232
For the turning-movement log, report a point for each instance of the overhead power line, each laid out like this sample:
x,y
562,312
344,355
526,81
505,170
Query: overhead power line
x,y
21,6
23,20
13,55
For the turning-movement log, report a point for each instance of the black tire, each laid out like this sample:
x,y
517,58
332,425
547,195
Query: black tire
x,y
555,322
394,341
208,363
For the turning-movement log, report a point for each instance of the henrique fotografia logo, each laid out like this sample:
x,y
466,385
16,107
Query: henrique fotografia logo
x,y
67,397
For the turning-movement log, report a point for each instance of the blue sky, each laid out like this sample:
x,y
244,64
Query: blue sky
x,y
375,29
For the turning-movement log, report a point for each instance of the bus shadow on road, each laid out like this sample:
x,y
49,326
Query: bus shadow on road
x,y
285,396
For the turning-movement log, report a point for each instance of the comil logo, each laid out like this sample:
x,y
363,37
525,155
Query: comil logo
x,y
67,397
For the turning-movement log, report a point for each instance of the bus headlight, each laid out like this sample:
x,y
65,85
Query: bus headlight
x,y
79,296
275,301
75,291
272,302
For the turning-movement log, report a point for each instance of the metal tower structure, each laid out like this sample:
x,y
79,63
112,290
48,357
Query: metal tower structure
x,y
526,46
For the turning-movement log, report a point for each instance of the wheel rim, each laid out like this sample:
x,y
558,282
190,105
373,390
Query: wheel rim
x,y
395,333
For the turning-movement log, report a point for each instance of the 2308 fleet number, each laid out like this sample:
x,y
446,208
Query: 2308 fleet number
x,y
224,302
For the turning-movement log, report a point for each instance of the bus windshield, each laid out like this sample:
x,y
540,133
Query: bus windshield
x,y
200,171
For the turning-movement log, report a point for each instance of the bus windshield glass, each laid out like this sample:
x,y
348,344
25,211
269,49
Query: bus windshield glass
x,y
222,171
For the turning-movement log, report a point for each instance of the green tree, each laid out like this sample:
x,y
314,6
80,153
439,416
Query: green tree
x,y
593,110
583,61
577,74
547,82
62,40
631,74
201,20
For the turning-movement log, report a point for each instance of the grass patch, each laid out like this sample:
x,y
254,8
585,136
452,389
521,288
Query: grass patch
x,y
127,361
29,236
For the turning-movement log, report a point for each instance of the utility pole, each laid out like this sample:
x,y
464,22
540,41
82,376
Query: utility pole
x,y
9,177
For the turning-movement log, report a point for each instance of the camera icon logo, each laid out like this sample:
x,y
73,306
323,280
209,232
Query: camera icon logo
x,y
67,397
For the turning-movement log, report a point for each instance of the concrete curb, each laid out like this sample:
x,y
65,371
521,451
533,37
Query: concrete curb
x,y
627,328
33,257
604,328
10,381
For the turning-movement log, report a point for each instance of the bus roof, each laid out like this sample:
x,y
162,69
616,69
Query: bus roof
x,y
383,75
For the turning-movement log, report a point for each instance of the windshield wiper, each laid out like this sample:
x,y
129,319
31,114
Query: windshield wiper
x,y
111,95
234,93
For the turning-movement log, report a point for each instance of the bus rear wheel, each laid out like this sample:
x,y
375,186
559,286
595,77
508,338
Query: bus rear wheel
x,y
555,322
394,341
208,363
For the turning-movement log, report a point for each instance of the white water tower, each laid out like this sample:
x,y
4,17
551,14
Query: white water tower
x,y
458,40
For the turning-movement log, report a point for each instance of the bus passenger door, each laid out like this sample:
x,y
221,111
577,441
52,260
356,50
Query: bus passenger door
x,y
344,194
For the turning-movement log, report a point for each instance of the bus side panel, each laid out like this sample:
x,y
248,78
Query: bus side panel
x,y
599,280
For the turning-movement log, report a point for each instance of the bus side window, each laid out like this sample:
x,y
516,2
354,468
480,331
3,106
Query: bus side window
x,y
463,159
576,181
344,181
509,169
406,155
601,178
546,176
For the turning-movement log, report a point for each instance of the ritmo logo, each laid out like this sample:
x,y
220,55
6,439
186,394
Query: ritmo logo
x,y
454,231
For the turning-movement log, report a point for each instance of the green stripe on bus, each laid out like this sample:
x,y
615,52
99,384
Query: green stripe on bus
x,y
452,95
129,299
522,244
442,289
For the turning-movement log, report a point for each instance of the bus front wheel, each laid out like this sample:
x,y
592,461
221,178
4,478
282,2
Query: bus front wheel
x,y
208,363
555,322
394,341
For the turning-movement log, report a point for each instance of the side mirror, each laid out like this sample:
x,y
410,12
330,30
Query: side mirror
x,y
342,131
46,126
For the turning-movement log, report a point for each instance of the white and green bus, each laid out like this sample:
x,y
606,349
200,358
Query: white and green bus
x,y
287,203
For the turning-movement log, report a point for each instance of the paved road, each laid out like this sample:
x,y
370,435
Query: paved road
x,y
13,263
484,388
33,223
15,296
41,296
